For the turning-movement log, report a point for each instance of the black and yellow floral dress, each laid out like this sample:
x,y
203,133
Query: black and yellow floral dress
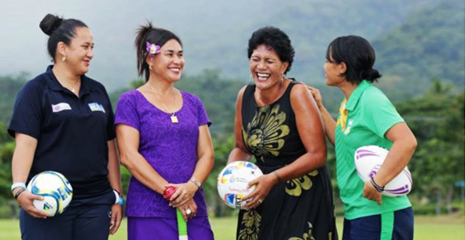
x,y
300,208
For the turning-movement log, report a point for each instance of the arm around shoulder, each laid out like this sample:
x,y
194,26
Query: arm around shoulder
x,y
328,121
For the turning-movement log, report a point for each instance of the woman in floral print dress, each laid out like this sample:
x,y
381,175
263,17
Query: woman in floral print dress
x,y
277,122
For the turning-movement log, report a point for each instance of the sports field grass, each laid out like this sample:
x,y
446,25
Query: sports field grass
x,y
426,227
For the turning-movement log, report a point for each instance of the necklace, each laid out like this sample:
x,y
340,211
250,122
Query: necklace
x,y
174,118
73,88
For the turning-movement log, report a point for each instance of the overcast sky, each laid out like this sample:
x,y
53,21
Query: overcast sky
x,y
113,23
200,24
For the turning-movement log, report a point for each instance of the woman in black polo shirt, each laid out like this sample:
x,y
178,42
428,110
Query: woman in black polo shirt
x,y
63,121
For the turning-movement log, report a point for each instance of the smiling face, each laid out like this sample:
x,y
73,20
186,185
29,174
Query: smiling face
x,y
79,52
334,72
266,68
169,63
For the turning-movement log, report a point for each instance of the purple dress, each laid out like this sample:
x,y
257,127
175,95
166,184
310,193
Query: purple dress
x,y
171,149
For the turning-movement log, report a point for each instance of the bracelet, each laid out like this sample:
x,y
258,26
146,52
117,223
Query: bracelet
x,y
378,187
19,192
196,182
119,199
17,185
278,177
117,192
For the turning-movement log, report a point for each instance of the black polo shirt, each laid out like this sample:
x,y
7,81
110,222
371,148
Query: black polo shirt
x,y
72,132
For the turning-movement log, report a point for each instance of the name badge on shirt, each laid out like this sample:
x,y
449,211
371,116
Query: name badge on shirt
x,y
60,107
349,125
96,107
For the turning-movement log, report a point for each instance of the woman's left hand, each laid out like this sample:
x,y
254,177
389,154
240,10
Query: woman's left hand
x,y
184,193
263,185
116,217
188,210
370,192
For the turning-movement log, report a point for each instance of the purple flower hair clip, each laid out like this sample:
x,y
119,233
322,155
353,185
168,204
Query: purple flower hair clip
x,y
152,49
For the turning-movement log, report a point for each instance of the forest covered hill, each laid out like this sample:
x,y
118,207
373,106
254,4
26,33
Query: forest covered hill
x,y
430,44
416,41
214,33
420,49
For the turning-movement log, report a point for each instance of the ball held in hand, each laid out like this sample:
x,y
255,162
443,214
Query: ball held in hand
x,y
55,189
169,191
232,182
368,161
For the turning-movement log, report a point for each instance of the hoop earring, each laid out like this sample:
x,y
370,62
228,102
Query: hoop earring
x,y
63,58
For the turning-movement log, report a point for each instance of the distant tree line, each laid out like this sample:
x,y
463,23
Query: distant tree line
x,y
435,116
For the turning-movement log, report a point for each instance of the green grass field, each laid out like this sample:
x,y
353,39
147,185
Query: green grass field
x,y
426,228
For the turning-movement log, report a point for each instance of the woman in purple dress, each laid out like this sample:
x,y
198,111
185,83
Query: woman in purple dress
x,y
163,140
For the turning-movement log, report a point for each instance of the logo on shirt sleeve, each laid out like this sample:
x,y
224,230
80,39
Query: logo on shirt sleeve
x,y
60,107
96,107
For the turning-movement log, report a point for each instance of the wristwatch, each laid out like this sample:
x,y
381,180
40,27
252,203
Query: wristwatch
x,y
196,182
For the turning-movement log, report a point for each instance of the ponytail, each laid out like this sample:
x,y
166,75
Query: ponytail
x,y
148,33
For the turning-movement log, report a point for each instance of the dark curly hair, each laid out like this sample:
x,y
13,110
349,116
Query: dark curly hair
x,y
277,40
157,36
358,55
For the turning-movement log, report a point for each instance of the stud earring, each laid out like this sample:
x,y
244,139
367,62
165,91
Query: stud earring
x,y
63,58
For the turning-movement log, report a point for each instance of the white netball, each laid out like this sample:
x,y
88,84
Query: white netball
x,y
54,188
233,180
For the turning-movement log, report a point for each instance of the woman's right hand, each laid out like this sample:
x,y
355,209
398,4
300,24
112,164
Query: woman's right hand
x,y
25,200
263,186
184,193
317,96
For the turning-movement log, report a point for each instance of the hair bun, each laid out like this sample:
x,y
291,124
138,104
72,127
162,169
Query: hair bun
x,y
370,74
50,23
